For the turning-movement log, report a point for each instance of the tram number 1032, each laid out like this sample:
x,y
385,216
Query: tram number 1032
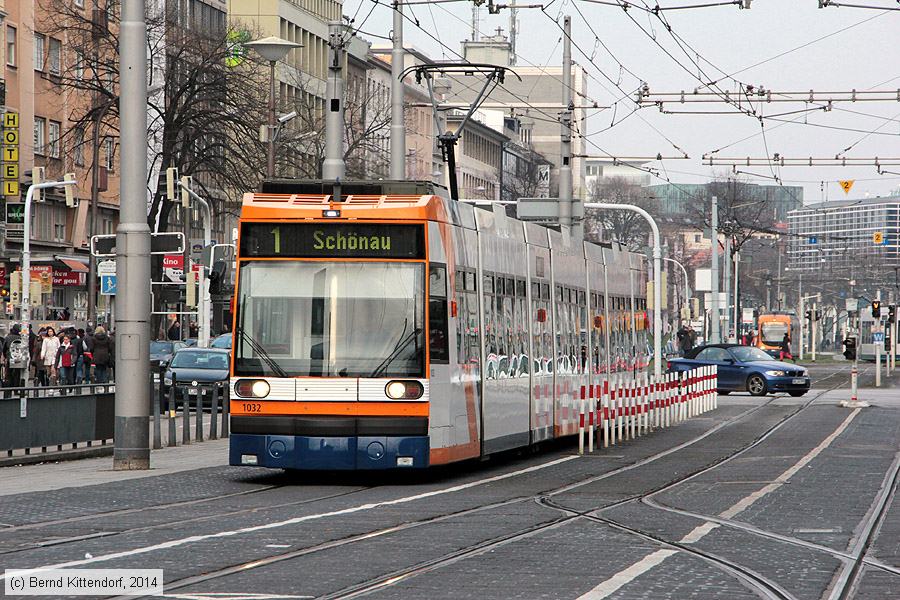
x,y
251,407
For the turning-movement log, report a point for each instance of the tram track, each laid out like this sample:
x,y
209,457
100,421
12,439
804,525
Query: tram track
x,y
469,551
167,524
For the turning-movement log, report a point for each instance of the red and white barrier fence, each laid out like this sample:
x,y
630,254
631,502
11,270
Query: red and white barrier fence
x,y
625,406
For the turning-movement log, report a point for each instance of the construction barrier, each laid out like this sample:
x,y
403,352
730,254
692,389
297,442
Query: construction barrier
x,y
626,406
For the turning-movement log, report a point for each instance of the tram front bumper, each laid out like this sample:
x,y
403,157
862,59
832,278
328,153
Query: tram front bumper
x,y
329,453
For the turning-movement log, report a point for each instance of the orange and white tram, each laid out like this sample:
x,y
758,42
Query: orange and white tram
x,y
394,330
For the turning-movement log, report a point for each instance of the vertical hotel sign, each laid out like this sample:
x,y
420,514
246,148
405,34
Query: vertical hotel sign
x,y
10,156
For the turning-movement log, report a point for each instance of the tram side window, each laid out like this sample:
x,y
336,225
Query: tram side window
x,y
467,346
437,314
490,330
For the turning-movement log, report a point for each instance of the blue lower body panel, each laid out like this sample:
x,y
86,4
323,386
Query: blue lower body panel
x,y
329,453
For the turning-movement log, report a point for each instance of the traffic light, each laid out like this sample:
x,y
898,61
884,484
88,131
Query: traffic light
x,y
15,287
876,309
185,186
818,315
190,296
171,183
69,190
217,277
892,313
850,348
809,315
37,176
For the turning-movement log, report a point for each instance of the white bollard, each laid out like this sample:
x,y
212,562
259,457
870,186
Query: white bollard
x,y
581,429
591,408
715,387
605,407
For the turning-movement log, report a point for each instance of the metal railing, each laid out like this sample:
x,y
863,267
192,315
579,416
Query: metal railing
x,y
168,398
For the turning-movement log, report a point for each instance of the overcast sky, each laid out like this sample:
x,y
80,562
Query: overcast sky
x,y
861,52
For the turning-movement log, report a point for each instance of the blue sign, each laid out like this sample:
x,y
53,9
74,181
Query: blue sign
x,y
878,337
108,285
813,240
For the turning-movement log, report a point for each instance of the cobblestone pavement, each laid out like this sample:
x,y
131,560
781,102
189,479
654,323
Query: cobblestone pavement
x,y
768,515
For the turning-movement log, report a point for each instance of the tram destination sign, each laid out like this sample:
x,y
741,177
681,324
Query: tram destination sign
x,y
339,240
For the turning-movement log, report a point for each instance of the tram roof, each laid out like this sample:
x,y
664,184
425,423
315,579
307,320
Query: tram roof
x,y
301,199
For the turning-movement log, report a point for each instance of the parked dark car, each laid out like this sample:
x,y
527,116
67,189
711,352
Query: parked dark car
x,y
222,341
161,353
745,369
196,366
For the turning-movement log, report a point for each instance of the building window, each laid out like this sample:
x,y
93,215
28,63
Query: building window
x,y
40,41
55,57
79,3
697,238
59,232
110,146
39,124
11,45
78,143
79,65
53,139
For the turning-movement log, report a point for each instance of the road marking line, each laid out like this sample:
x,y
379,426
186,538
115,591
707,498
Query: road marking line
x,y
296,520
745,503
621,578
699,532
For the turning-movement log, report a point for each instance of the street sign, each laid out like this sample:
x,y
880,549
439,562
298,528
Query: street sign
x,y
173,261
160,243
813,240
878,337
846,184
106,267
15,213
878,238
108,285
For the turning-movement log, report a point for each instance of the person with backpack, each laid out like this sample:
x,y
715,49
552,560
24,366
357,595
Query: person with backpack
x,y
102,349
15,355
49,350
66,358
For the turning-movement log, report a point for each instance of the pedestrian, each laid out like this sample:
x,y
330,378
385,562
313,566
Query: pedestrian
x,y
80,348
49,350
66,314
66,358
15,355
40,373
102,348
786,348
174,332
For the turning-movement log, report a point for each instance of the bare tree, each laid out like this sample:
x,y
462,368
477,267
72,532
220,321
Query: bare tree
x,y
523,178
203,116
625,227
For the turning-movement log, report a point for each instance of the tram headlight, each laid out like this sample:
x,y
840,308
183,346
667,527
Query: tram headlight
x,y
252,388
404,390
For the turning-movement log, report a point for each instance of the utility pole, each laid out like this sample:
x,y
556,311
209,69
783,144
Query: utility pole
x,y
878,346
398,123
715,335
737,296
800,313
726,284
566,202
513,32
132,432
333,169
812,330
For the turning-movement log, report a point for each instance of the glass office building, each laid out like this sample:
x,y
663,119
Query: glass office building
x,y
854,238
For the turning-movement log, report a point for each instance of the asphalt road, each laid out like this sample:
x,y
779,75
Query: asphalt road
x,y
773,497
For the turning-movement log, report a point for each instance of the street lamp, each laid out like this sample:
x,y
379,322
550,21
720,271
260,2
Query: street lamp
x,y
272,49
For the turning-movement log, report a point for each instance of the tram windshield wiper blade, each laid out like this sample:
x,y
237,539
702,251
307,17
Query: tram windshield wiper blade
x,y
259,350
401,345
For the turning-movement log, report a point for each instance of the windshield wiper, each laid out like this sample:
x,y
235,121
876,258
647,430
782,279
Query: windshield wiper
x,y
259,350
402,343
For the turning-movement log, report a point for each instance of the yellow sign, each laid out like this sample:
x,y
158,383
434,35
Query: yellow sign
x,y
10,119
10,154
846,184
10,188
10,170
877,238
11,137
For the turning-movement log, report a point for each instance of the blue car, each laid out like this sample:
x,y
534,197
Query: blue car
x,y
745,369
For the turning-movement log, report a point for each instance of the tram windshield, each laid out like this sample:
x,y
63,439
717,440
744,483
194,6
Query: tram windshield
x,y
773,331
330,319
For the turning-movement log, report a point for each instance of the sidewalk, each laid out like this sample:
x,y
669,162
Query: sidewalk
x,y
92,471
